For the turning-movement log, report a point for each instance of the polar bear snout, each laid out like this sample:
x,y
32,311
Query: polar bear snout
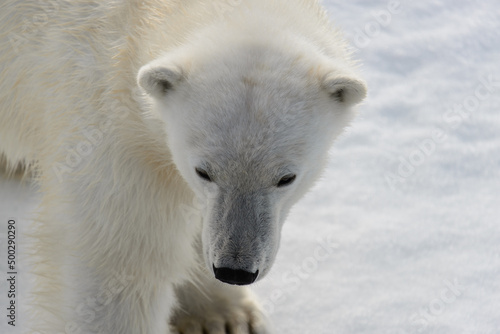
x,y
240,239
235,276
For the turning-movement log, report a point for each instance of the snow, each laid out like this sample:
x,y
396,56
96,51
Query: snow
x,y
402,233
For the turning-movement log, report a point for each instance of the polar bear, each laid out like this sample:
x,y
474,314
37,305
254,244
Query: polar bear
x,y
169,140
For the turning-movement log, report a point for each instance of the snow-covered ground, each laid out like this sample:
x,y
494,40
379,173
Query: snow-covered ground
x,y
402,234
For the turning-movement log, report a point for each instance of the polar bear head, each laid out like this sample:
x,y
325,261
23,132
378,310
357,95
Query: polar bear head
x,y
249,126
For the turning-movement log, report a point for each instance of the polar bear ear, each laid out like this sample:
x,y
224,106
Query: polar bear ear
x,y
158,80
345,89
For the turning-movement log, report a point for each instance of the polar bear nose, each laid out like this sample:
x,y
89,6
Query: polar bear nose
x,y
235,276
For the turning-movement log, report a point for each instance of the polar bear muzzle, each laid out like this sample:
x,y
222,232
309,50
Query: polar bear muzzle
x,y
241,239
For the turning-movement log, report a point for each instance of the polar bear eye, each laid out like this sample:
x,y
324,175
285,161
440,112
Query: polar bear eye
x,y
286,180
203,174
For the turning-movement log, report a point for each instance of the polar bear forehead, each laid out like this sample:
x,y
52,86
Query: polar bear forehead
x,y
256,63
254,78
264,87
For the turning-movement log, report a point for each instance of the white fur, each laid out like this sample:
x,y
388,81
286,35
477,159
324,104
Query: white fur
x,y
115,103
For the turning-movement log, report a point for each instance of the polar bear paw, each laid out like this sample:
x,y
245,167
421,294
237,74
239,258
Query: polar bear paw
x,y
230,316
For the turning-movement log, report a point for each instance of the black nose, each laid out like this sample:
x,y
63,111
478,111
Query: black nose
x,y
235,276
